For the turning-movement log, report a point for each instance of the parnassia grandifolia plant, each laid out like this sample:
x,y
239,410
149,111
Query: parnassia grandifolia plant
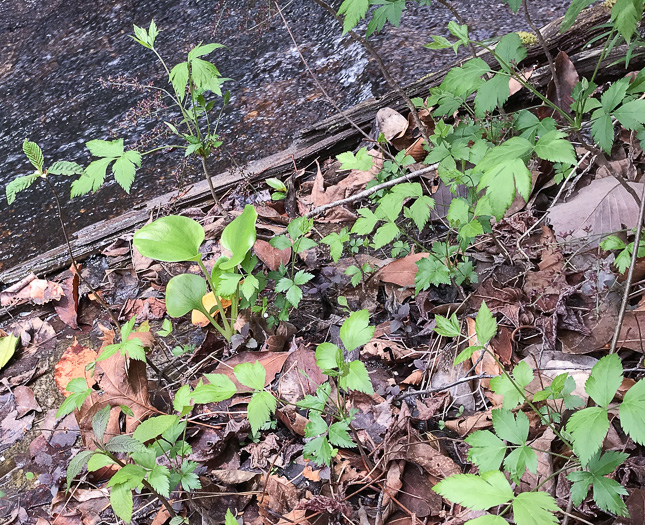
x,y
177,239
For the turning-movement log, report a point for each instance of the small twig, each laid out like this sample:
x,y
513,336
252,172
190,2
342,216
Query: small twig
x,y
384,70
370,191
442,388
630,275
71,256
210,186
448,5
547,53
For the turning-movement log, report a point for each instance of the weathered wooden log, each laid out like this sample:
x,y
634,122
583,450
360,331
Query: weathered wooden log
x,y
326,136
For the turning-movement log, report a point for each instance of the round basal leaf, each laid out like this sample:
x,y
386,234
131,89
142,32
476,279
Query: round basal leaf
x,y
170,239
239,237
184,293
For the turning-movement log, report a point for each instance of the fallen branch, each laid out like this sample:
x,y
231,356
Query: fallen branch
x,y
370,191
442,388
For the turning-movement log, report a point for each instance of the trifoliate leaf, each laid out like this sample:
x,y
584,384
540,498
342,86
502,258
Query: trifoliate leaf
x,y
318,401
365,223
502,385
476,492
260,409
447,327
514,429
219,388
535,508
486,451
294,295
128,475
319,451
356,330
357,378
363,161
339,435
625,16
632,412
605,378
159,478
588,428
554,147
385,235
316,425
354,11
252,375
492,94
631,114
519,460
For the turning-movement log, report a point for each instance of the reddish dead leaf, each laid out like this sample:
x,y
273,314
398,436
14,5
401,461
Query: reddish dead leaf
x,y
428,408
402,271
294,385
417,494
393,481
271,361
568,78
467,424
144,309
414,378
280,496
67,306
162,517
309,473
72,364
389,350
38,291
636,508
25,401
271,256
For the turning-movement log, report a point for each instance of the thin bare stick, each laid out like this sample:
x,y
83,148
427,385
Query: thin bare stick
x,y
373,189
210,185
71,256
630,275
320,86
545,48
442,388
384,70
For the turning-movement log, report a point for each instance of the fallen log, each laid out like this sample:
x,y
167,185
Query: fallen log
x,y
334,134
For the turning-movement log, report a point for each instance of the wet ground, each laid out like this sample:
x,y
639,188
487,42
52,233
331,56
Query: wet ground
x,y
55,53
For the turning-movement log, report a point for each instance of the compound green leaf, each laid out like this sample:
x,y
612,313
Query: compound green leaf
x,y
294,295
98,461
503,181
354,11
19,184
514,429
476,492
389,12
588,427
64,167
219,389
121,501
184,293
357,378
485,325
252,375
572,13
492,94
356,330
319,450
447,327
510,50
92,178
100,422
631,114
76,465
171,239
514,5
385,235
202,50
128,475
420,211
34,154
535,508
124,443
614,95
362,161
632,412
487,451
554,147
179,79
260,408
153,427
519,460
602,130
339,435
125,168
605,378
316,425
239,237
365,223
502,385
159,478
105,148
625,15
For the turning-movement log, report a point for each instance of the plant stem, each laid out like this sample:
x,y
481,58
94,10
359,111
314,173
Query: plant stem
x,y
210,185
73,259
630,275
227,332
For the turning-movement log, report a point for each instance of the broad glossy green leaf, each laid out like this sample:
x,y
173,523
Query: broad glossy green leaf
x,y
239,236
184,293
8,345
171,239
356,330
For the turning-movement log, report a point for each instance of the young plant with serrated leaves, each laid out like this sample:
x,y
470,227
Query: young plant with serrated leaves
x,y
288,281
508,447
624,256
330,421
176,239
190,83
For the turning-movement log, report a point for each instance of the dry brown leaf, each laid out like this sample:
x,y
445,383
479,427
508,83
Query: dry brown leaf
x,y
67,306
38,291
271,256
301,376
487,365
568,78
25,400
467,424
401,271
514,85
599,209
391,123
